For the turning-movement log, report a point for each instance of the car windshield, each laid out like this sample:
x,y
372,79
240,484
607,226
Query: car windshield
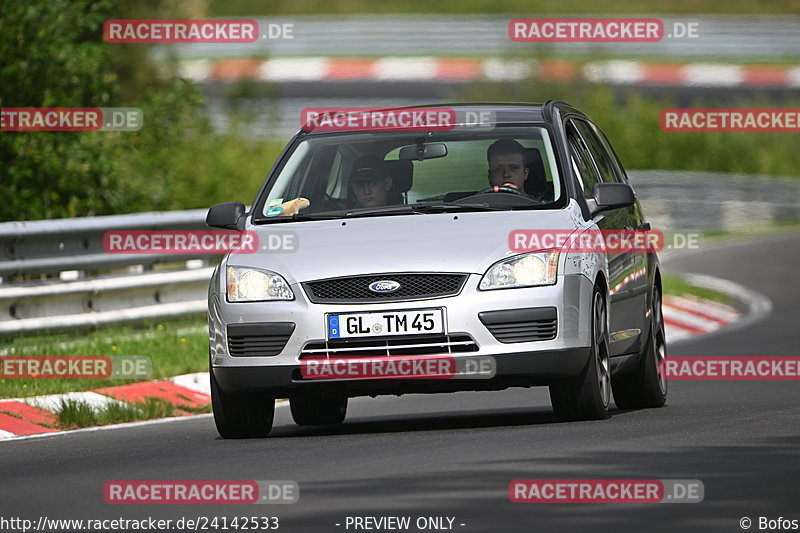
x,y
390,173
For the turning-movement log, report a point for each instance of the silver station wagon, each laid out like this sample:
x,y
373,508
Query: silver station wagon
x,y
408,240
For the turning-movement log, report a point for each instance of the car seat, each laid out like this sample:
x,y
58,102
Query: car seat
x,y
537,185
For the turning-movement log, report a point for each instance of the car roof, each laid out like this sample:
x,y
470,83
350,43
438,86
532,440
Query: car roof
x,y
503,113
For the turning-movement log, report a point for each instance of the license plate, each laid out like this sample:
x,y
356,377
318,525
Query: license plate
x,y
384,324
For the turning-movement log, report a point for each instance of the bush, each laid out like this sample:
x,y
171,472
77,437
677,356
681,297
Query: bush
x,y
53,56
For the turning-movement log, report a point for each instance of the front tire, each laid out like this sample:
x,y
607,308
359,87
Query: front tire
x,y
241,416
318,410
646,385
586,397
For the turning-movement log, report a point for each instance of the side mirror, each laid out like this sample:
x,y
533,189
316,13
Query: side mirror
x,y
230,215
607,196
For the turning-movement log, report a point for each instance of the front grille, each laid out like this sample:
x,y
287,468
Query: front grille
x,y
521,325
403,345
355,289
258,339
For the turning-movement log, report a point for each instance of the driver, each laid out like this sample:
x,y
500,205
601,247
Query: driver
x,y
507,164
370,181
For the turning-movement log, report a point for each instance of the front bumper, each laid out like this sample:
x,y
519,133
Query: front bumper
x,y
513,370
517,363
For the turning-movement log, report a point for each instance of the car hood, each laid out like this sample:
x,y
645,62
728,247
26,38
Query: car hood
x,y
447,242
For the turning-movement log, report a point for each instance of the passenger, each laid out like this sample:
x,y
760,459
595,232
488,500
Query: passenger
x,y
370,181
508,166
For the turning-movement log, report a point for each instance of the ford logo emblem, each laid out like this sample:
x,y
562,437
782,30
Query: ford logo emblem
x,y
384,286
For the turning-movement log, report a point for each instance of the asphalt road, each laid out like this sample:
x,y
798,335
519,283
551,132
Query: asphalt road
x,y
454,455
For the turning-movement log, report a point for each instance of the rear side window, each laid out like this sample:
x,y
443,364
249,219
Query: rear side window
x,y
615,162
608,171
581,160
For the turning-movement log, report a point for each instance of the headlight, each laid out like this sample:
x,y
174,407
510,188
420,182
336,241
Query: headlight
x,y
525,270
251,285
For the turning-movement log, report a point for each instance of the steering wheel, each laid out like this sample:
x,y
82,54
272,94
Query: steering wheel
x,y
501,188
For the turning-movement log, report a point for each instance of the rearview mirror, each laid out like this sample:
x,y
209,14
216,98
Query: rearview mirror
x,y
423,151
230,215
607,196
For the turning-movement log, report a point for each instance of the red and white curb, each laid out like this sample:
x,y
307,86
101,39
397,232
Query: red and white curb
x,y
35,415
687,316
394,69
684,316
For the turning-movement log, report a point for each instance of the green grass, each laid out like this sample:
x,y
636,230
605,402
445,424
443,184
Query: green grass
x,y
174,348
73,414
675,286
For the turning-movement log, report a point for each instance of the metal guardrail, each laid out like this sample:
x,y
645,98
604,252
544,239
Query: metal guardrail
x,y
683,200
720,37
47,246
81,296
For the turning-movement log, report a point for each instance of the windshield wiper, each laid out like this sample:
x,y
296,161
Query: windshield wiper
x,y
452,206
296,218
413,209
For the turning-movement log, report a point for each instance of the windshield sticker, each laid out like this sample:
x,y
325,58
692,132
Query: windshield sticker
x,y
288,209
